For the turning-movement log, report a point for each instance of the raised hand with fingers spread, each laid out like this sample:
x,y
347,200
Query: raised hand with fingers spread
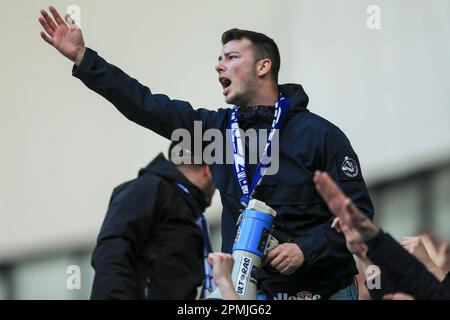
x,y
68,41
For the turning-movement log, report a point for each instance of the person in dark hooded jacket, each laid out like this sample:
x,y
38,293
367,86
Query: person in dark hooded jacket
x,y
311,260
150,245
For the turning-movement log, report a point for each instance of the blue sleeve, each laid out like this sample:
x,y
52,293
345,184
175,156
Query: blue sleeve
x,y
323,246
135,101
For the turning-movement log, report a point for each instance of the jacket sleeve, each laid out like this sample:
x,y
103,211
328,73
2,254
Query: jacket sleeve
x,y
135,101
386,286
408,275
322,245
132,213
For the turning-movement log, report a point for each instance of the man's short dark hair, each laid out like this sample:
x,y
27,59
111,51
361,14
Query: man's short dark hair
x,y
263,47
181,156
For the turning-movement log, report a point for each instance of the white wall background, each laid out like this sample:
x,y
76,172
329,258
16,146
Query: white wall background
x,y
63,148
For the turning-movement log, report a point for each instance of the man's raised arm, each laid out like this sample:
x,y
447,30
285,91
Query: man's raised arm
x,y
135,101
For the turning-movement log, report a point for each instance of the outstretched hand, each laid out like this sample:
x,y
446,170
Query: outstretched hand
x,y
67,40
342,206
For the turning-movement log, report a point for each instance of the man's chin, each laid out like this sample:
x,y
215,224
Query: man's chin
x,y
230,99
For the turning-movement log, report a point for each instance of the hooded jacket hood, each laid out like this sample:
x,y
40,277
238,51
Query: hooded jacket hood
x,y
249,116
166,170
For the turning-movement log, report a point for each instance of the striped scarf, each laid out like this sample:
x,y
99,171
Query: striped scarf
x,y
208,283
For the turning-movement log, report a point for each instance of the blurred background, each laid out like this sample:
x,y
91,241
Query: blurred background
x,y
64,148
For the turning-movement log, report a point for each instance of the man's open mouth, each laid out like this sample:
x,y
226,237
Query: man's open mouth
x,y
225,82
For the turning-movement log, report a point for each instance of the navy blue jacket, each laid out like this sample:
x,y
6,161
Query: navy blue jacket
x,y
307,143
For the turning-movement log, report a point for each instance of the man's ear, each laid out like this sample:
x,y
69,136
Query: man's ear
x,y
206,172
263,67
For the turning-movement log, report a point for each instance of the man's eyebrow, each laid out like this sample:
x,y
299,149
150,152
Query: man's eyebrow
x,y
227,54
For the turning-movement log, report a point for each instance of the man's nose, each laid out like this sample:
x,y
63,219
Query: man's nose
x,y
219,67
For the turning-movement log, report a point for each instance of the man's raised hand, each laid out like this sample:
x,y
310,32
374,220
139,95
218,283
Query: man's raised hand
x,y
343,207
67,40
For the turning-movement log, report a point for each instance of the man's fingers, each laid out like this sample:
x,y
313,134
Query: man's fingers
x,y
323,186
47,38
70,22
409,249
405,245
340,205
286,270
49,20
330,192
46,27
339,226
276,262
330,186
410,242
57,17
405,241
353,210
283,265
346,231
272,254
213,257
351,236
336,224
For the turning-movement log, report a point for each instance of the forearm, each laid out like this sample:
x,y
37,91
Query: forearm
x,y
434,269
364,262
226,288
135,101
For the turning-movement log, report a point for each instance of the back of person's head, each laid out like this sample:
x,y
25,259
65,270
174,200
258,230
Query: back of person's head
x,y
263,47
180,156
193,168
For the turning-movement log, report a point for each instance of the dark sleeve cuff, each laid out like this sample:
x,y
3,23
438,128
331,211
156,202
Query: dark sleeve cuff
x,y
86,64
310,247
